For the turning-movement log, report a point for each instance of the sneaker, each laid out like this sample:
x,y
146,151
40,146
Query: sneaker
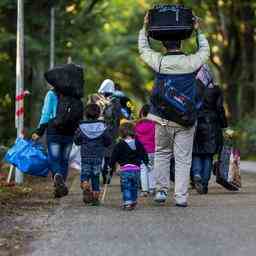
x,y
205,190
95,198
182,205
160,197
128,207
60,188
198,184
134,204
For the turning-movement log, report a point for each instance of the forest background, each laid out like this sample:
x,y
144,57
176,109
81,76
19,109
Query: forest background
x,y
101,35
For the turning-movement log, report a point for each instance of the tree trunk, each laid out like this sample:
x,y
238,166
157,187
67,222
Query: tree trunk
x,y
38,88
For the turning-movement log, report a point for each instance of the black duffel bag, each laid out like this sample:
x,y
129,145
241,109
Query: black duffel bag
x,y
170,22
67,79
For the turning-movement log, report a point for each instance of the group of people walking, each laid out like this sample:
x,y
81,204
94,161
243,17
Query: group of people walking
x,y
183,121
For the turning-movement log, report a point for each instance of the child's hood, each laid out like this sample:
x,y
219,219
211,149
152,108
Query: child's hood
x,y
93,130
131,143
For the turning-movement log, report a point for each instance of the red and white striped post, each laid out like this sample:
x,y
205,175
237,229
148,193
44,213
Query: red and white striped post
x,y
19,113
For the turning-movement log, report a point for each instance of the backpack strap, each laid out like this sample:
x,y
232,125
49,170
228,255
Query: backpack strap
x,y
160,64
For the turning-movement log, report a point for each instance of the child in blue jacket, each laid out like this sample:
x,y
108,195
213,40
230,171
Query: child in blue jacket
x,y
93,137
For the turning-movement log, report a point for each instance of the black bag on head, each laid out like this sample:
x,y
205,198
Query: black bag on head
x,y
170,22
69,114
67,79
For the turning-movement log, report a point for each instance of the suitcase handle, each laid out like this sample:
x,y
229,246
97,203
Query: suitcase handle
x,y
177,14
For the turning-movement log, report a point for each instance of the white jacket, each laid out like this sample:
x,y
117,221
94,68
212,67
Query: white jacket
x,y
174,64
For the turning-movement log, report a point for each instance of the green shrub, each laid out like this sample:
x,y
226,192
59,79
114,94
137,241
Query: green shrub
x,y
246,137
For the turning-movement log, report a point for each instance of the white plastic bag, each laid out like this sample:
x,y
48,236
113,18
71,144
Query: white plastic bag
x,y
75,158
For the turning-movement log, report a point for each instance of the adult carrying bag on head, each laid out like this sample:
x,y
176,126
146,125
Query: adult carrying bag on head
x,y
29,157
174,98
69,114
170,22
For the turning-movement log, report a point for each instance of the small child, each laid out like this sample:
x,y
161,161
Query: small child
x,y
129,153
145,133
93,138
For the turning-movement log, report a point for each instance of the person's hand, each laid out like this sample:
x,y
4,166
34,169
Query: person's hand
x,y
146,19
197,23
35,136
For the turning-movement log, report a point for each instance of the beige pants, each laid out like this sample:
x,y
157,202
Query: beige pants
x,y
179,142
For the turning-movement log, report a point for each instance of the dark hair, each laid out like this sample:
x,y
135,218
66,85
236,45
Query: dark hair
x,y
127,129
172,44
118,87
92,111
107,94
144,110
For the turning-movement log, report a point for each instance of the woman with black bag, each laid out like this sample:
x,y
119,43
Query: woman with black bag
x,y
208,139
61,113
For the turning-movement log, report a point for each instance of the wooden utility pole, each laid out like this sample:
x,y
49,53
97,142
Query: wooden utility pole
x,y
19,115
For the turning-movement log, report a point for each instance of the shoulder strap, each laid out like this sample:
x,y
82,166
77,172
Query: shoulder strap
x,y
160,64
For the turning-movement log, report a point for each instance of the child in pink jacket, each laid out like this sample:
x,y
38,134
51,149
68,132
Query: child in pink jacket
x,y
145,133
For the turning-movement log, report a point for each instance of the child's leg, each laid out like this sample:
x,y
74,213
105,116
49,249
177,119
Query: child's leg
x,y
85,182
207,170
95,181
151,173
105,169
126,184
144,178
135,186
96,188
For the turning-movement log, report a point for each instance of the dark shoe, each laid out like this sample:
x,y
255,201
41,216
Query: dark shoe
x,y
134,204
182,205
198,184
104,179
152,192
60,188
192,184
87,192
95,198
205,190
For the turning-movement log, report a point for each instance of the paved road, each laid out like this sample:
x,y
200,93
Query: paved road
x,y
220,224
248,166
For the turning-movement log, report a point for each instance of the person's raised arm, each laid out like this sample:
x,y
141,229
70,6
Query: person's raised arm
x,y
203,53
151,57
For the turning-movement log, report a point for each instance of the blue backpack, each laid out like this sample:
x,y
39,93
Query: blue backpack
x,y
174,98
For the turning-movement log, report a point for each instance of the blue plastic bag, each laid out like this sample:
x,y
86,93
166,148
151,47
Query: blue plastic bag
x,y
13,152
29,157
